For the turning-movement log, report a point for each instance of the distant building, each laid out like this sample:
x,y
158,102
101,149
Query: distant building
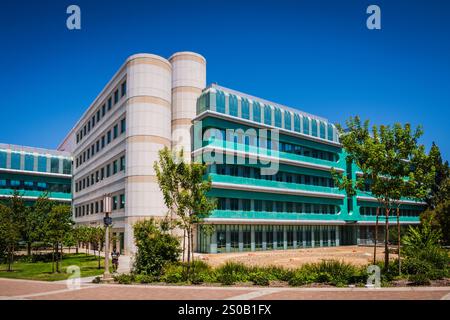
x,y
34,172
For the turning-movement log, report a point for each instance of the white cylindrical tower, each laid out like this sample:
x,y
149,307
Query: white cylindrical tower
x,y
148,121
188,81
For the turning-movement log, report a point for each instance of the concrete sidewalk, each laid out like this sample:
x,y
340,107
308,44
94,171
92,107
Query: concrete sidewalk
x,y
40,290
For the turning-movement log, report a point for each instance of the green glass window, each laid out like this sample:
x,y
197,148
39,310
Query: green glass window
x,y
124,88
268,115
322,130
330,132
314,128
116,96
277,117
220,102
115,131
256,112
3,155
233,105
122,163
296,122
42,164
123,125
305,125
67,166
54,165
29,162
245,109
122,201
287,120
15,160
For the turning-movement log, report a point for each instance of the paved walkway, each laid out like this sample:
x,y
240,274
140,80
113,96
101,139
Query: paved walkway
x,y
39,290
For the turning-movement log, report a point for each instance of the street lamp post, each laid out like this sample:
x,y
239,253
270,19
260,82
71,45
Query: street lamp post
x,y
107,220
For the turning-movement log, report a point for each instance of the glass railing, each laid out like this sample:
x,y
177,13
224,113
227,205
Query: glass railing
x,y
273,184
36,194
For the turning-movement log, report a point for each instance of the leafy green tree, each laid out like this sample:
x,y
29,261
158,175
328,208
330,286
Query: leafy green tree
x,y
57,225
35,220
9,233
390,158
156,247
440,187
97,235
185,191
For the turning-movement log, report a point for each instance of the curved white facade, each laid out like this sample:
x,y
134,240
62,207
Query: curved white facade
x,y
148,104
188,81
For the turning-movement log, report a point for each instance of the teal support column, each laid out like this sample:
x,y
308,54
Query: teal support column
x,y
241,239
227,239
304,236
313,228
329,236
337,235
252,238
264,241
213,244
294,239
275,240
321,235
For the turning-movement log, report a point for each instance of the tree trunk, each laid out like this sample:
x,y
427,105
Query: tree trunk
x,y
76,249
184,245
99,256
189,255
398,244
386,240
10,257
57,258
376,237
192,251
53,258
29,249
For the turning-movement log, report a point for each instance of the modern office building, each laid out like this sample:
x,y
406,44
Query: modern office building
x,y
273,184
33,172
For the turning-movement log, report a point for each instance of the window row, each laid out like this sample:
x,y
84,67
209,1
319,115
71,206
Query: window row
x,y
118,203
234,204
101,111
116,130
34,185
372,211
230,238
266,114
108,170
30,162
288,177
252,140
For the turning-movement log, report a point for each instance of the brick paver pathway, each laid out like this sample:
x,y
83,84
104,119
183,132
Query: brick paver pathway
x,y
26,289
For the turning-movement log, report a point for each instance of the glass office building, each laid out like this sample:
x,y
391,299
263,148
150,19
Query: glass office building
x,y
34,172
271,174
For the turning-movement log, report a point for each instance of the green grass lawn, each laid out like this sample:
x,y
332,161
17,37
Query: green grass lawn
x,y
43,270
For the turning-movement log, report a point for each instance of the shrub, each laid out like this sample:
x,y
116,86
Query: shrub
x,y
155,248
335,272
232,272
302,276
144,278
276,273
260,278
173,273
419,279
124,278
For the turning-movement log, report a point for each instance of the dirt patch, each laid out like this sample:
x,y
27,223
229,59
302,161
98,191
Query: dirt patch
x,y
296,257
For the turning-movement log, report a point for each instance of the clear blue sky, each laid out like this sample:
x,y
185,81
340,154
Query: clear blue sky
x,y
317,56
